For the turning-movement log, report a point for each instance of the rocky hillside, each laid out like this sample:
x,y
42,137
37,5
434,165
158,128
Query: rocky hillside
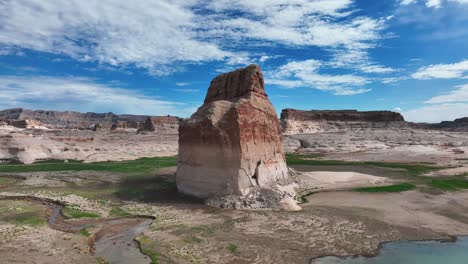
x,y
69,119
314,121
457,125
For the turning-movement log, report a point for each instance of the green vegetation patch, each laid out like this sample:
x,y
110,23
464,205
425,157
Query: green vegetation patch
x,y
22,213
117,211
146,245
233,249
72,212
413,169
449,184
6,181
402,187
130,166
85,232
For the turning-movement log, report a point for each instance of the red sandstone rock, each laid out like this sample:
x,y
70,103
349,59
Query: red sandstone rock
x,y
232,144
162,123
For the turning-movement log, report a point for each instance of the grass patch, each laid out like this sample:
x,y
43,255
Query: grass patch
x,y
117,211
402,187
233,249
303,197
412,169
147,249
6,181
85,232
76,213
101,261
22,213
130,166
27,218
449,184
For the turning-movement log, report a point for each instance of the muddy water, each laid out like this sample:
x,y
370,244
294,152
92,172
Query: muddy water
x,y
411,252
115,240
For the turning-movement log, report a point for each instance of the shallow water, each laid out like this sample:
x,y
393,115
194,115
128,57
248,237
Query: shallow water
x,y
119,247
407,252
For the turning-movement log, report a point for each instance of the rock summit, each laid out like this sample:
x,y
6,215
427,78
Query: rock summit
x,y
230,150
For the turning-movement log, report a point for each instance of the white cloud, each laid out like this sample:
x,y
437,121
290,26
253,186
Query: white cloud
x,y
407,2
81,94
460,94
306,74
158,35
376,69
393,79
442,71
433,3
397,109
437,112
187,90
443,107
143,33
182,84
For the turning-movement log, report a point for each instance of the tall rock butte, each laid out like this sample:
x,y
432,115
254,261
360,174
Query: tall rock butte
x,y
232,145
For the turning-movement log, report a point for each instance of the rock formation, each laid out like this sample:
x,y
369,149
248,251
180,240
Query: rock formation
x,y
85,121
314,121
457,125
168,124
231,147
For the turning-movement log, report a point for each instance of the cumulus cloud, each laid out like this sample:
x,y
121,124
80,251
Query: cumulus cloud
x,y
442,71
81,94
142,33
449,106
433,3
437,112
158,34
460,94
306,74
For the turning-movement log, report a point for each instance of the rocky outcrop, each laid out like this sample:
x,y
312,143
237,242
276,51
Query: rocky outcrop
x,y
76,120
126,125
167,124
315,121
26,124
458,125
231,147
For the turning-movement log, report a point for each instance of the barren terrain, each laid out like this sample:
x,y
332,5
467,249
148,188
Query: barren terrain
x,y
357,188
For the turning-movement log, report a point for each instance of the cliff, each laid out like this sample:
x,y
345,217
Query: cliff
x,y
77,120
314,121
457,125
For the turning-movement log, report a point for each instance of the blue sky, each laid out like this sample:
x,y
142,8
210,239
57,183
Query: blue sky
x,y
158,57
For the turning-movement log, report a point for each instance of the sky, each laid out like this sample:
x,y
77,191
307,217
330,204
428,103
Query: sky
x,y
157,57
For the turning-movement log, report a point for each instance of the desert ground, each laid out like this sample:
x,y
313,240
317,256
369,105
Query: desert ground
x,y
119,203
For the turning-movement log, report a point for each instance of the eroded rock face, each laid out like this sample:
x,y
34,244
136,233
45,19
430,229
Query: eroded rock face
x,y
168,124
76,120
316,121
232,144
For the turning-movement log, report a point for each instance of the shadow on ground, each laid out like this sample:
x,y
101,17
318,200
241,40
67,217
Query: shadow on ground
x,y
155,188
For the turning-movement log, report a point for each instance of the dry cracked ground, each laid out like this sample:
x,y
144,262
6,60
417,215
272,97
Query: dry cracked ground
x,y
358,189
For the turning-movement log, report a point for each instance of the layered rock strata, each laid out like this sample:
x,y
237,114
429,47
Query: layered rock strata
x,y
167,124
86,121
231,146
316,121
457,125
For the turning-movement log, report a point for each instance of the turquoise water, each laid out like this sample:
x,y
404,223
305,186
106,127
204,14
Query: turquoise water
x,y
406,252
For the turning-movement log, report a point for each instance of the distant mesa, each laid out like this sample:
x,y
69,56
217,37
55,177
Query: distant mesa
x,y
24,118
230,150
167,123
342,115
314,121
457,125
